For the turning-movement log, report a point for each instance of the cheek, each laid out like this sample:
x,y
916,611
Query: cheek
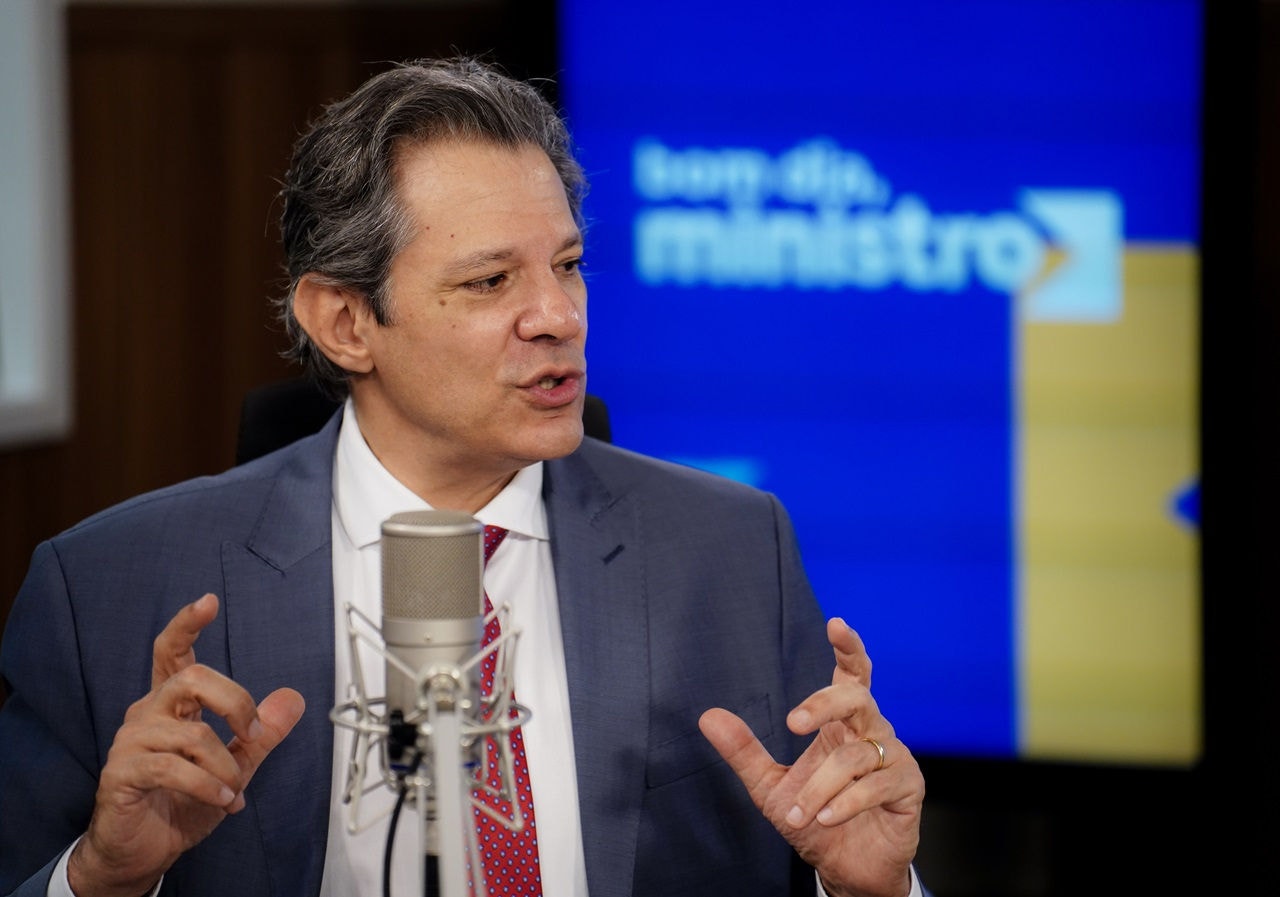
x,y
416,360
447,359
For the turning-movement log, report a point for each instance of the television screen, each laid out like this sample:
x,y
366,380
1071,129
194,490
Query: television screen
x,y
928,271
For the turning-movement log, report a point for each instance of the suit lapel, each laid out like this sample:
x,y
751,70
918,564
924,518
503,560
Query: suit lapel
x,y
596,549
280,632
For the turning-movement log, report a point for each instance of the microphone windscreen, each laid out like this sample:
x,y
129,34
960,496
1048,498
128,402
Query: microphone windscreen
x,y
432,565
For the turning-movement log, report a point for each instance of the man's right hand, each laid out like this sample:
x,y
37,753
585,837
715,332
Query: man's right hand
x,y
169,779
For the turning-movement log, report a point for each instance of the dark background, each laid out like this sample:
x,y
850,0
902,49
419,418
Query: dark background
x,y
181,119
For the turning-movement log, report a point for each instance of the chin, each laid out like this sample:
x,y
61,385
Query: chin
x,y
555,439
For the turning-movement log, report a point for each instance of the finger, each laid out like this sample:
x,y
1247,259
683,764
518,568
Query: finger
x,y
852,660
849,703
129,775
197,688
834,791
194,742
746,756
898,788
278,713
173,649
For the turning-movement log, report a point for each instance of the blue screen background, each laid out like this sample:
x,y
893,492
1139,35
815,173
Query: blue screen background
x,y
883,417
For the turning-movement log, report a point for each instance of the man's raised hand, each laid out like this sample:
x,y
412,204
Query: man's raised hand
x,y
169,779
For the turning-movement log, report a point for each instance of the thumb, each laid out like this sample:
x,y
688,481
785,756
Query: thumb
x,y
744,753
278,713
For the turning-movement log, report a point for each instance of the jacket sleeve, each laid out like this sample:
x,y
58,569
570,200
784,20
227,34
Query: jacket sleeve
x,y
50,755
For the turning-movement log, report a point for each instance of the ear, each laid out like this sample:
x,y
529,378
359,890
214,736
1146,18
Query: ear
x,y
334,317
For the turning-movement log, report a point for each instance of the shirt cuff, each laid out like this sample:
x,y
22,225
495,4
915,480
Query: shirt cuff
x,y
916,890
60,886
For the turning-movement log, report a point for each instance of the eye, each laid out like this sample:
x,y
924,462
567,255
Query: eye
x,y
486,284
572,266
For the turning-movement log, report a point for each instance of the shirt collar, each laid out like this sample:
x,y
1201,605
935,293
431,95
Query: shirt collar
x,y
365,493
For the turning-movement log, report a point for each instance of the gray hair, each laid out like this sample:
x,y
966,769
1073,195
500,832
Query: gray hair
x,y
342,219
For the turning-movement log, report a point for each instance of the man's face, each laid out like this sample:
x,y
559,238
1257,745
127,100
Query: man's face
x,y
481,369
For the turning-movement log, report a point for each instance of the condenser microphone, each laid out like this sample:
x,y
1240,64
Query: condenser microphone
x,y
432,602
434,728
432,625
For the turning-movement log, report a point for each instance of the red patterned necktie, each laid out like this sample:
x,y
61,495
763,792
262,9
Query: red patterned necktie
x,y
510,858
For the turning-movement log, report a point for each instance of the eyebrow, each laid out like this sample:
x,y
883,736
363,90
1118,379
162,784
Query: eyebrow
x,y
478,261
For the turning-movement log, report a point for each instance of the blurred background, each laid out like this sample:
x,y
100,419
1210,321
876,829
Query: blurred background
x,y
144,141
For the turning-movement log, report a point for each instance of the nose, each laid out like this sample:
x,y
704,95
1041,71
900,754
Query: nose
x,y
558,311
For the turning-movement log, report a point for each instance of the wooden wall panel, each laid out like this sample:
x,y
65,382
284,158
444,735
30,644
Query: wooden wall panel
x,y
181,123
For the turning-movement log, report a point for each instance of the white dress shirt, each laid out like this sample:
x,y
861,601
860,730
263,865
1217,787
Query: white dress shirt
x,y
518,574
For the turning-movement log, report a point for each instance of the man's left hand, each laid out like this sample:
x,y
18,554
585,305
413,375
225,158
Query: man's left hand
x,y
852,817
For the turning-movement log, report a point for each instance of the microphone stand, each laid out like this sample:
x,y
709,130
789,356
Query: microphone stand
x,y
444,694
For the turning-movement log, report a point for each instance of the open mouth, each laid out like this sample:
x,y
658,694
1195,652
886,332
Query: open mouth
x,y
550,382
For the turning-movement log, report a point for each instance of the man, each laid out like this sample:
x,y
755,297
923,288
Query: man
x,y
672,652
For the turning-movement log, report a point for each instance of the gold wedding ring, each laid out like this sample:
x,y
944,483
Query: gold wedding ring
x,y
879,750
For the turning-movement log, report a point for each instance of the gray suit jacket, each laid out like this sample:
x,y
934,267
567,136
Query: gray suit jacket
x,y
678,590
